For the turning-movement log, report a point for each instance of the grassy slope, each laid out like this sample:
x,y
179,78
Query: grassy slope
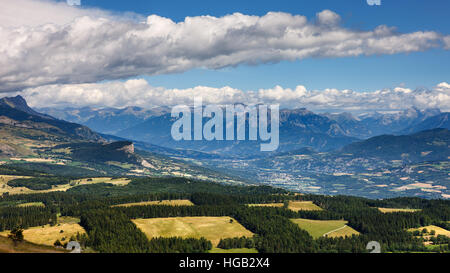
x,y
438,230
278,205
47,235
389,210
318,228
303,205
211,228
234,250
158,203
345,231
8,246
32,204
293,205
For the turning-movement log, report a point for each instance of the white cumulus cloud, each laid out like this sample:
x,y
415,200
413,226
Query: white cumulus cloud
x,y
43,42
138,92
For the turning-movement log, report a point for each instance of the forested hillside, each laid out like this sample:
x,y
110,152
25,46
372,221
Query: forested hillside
x,y
110,228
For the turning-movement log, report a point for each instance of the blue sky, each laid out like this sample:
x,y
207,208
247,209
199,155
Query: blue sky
x,y
295,53
308,56
419,69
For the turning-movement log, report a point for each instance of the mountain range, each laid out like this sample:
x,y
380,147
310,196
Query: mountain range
x,y
105,120
299,128
318,153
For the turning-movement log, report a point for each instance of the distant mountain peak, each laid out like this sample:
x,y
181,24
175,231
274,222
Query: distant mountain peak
x,y
341,117
16,100
19,103
416,111
16,112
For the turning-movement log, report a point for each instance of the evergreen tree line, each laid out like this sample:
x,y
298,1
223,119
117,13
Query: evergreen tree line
x,y
173,185
67,199
237,242
39,183
204,198
25,217
275,232
179,245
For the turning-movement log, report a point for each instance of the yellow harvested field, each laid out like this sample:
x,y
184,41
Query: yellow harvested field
x,y
330,228
47,235
234,250
277,205
438,230
343,232
303,205
108,180
32,204
293,205
158,203
4,179
8,246
34,160
211,228
391,210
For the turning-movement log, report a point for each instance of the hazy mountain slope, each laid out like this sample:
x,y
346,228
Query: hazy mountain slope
x,y
391,123
350,125
438,121
431,145
298,128
376,152
374,124
105,120
121,151
179,153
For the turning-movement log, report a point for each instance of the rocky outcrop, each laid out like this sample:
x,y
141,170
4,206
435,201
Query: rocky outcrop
x,y
128,148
